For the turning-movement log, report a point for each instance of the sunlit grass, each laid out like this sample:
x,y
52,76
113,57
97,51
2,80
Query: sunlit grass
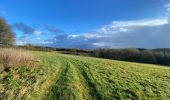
x,y
66,77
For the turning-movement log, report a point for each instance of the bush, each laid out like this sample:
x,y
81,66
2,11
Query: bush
x,y
15,57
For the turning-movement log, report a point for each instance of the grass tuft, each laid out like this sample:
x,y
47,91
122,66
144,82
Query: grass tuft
x,y
10,57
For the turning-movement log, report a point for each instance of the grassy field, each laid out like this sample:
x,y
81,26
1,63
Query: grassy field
x,y
66,77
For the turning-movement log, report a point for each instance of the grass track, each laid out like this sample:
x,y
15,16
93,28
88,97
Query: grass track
x,y
68,86
66,77
83,68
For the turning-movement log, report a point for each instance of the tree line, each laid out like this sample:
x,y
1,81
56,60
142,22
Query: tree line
x,y
154,56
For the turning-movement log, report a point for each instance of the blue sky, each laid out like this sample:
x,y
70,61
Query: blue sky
x,y
89,23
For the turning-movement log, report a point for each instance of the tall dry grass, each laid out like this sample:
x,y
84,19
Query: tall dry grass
x,y
10,57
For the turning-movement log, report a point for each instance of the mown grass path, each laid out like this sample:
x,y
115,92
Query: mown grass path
x,y
68,86
84,71
73,84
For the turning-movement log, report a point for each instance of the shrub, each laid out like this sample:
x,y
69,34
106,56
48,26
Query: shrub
x,y
15,57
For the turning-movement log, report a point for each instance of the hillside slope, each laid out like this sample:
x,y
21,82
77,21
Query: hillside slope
x,y
66,77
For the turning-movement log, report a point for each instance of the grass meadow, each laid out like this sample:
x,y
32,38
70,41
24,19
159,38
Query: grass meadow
x,y
57,76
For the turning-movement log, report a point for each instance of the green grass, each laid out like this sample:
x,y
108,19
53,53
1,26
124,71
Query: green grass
x,y
66,77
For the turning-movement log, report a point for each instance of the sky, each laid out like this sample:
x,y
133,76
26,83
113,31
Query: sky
x,y
89,24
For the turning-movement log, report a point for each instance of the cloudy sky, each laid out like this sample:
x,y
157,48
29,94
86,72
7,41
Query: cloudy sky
x,y
89,24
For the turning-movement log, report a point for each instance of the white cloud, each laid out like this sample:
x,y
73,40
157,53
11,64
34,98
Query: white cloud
x,y
153,33
145,33
126,26
167,6
100,44
138,33
151,22
38,32
90,36
27,39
